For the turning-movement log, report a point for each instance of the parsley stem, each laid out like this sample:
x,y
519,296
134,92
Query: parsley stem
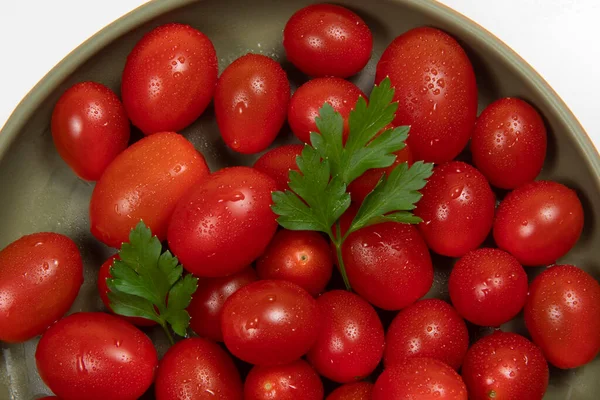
x,y
338,248
165,327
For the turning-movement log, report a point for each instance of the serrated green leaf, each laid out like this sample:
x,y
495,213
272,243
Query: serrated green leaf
x,y
169,265
125,279
294,214
179,321
181,293
132,306
398,192
328,142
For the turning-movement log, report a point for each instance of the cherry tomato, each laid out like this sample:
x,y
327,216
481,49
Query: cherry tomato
x,y
283,382
144,183
90,128
96,356
509,143
429,328
420,379
40,276
539,222
351,338
364,184
310,97
103,275
301,257
224,223
488,287
562,315
251,103
505,365
436,91
197,369
270,322
457,209
352,391
169,78
208,300
278,162
327,40
388,264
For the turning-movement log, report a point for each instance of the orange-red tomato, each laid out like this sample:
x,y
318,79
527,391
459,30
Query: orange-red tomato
x,y
352,391
90,128
40,276
293,381
145,182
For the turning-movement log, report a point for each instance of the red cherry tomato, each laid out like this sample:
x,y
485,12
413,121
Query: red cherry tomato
x,y
40,276
90,128
457,209
351,338
364,184
539,222
224,223
251,103
169,78
197,369
301,257
429,328
436,90
327,40
562,315
270,322
352,391
96,356
103,275
509,143
278,162
505,365
388,264
144,183
283,382
488,287
422,379
310,97
208,300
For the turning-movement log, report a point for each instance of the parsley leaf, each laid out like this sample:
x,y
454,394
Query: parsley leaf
x,y
318,195
143,278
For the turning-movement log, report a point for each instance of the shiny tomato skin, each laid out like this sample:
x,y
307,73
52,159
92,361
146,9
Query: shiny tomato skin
x,y
310,97
428,328
297,380
435,89
457,209
103,275
144,183
327,40
352,391
96,356
40,276
208,300
505,365
351,338
388,264
251,103
270,322
198,369
420,379
509,143
539,222
224,223
488,287
278,162
301,257
89,128
562,315
169,78
364,184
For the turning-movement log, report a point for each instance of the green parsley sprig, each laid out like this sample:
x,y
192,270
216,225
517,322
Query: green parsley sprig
x,y
318,195
148,283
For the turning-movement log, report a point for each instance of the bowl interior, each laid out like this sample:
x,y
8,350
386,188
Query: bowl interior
x,y
40,193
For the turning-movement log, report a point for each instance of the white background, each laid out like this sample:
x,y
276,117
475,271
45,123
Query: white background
x,y
559,38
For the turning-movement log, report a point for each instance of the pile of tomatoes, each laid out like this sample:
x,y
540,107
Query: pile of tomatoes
x,y
271,296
